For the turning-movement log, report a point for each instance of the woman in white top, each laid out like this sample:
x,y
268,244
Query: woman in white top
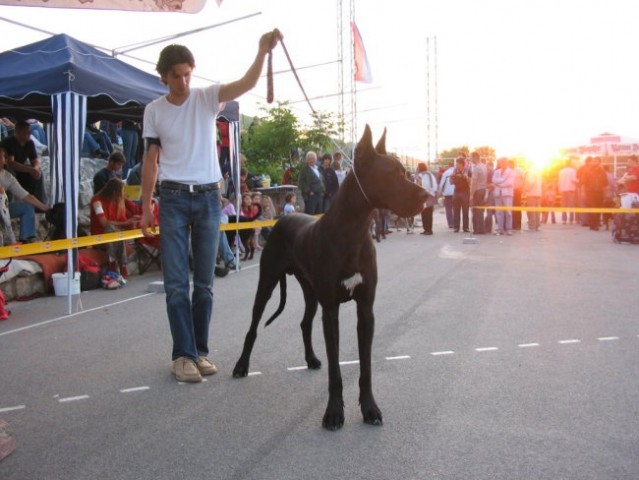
x,y
503,189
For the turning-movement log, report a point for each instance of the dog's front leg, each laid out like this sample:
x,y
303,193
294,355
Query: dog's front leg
x,y
365,330
334,415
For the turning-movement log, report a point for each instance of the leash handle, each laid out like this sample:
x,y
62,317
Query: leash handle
x,y
269,78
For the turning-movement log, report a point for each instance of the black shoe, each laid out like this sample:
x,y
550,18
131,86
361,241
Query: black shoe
x,y
466,230
456,230
427,233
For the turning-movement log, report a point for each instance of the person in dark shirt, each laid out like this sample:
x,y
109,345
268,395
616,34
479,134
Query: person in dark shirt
x,y
461,197
331,183
24,161
113,169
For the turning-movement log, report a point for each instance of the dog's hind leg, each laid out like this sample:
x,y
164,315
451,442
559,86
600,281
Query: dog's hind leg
x,y
264,291
365,330
334,415
310,301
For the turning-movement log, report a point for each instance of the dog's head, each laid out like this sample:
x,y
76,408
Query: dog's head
x,y
382,178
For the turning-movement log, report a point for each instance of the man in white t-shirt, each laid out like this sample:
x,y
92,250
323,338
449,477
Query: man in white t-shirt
x,y
180,132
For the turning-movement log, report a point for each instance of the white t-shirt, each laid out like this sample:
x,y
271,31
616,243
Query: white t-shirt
x,y
567,179
187,134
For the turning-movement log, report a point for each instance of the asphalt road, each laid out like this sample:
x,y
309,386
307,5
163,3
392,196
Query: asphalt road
x,y
512,358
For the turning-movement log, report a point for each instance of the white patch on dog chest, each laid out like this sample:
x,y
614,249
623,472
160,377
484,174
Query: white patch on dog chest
x,y
352,282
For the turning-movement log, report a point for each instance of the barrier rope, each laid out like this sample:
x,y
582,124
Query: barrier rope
x,y
12,251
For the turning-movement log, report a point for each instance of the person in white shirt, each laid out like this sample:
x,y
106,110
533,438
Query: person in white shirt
x,y
429,183
568,191
503,187
532,187
180,133
447,190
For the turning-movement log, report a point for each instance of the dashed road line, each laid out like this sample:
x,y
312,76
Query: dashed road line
x,y
349,362
304,367
134,389
12,409
73,399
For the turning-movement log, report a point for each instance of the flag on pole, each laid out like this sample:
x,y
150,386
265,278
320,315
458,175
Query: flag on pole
x,y
362,68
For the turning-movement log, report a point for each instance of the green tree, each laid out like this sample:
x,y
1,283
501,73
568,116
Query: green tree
x,y
486,153
269,140
450,155
274,141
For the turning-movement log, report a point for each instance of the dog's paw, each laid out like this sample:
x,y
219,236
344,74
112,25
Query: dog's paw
x,y
241,370
373,416
333,420
314,363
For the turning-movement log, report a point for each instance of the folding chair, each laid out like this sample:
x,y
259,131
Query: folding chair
x,y
147,251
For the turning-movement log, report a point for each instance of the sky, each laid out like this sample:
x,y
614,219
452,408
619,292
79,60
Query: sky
x,y
525,77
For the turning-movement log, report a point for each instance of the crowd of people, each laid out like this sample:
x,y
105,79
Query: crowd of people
x,y
470,186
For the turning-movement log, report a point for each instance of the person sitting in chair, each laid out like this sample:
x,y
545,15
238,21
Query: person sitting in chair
x,y
23,205
111,212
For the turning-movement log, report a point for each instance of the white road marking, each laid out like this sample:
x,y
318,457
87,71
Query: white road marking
x,y
134,389
73,399
251,374
605,339
486,349
65,317
11,409
445,352
301,367
399,357
566,342
349,362
528,345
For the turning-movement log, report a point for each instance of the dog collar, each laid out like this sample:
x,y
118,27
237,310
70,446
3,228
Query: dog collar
x,y
361,189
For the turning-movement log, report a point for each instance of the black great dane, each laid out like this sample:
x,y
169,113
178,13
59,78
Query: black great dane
x,y
334,260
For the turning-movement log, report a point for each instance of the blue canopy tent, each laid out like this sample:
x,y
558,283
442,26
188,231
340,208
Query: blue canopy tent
x,y
65,83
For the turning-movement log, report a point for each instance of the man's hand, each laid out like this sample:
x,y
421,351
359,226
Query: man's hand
x,y
269,40
147,223
35,173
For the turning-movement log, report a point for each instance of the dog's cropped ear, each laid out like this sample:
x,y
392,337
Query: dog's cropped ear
x,y
381,145
365,148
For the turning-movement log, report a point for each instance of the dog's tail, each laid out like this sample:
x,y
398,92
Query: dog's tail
x,y
280,307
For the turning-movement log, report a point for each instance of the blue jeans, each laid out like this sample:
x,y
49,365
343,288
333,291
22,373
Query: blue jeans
x,y
504,217
448,207
130,149
184,215
225,249
26,213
